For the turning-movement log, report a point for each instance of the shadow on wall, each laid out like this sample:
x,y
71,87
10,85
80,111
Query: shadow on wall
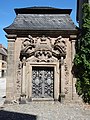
x,y
6,115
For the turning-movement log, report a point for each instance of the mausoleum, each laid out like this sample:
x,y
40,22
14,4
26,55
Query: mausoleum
x,y
41,49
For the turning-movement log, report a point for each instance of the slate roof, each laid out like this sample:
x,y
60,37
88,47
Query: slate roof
x,y
50,20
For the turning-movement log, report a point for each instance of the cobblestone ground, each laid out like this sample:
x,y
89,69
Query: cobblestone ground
x,y
41,110
47,111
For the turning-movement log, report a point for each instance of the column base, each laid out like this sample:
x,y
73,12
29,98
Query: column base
x,y
22,99
62,98
7,102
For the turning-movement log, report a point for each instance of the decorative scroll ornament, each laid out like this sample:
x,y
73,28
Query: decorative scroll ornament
x,y
42,48
60,46
27,47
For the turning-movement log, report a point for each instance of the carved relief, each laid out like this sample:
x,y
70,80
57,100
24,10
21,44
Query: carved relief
x,y
27,47
27,44
42,48
19,77
66,78
60,46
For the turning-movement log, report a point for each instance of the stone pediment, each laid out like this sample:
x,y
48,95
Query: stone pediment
x,y
43,48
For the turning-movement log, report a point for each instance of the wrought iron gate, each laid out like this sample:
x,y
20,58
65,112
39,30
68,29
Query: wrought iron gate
x,y
42,82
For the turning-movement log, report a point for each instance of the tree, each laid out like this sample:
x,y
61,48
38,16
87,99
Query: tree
x,y
82,58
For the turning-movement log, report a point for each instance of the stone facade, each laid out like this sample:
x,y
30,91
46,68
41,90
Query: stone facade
x,y
40,59
3,61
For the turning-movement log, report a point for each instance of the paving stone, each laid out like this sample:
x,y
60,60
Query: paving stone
x,y
51,110
42,110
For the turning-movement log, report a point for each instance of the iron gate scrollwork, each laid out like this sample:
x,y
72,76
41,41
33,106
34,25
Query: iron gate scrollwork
x,y
42,82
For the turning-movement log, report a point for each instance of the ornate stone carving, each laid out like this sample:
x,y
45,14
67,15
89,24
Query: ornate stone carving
x,y
66,78
27,44
19,77
42,48
60,46
27,47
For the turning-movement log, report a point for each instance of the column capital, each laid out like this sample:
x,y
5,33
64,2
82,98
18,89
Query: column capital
x,y
73,37
24,61
62,61
73,41
11,38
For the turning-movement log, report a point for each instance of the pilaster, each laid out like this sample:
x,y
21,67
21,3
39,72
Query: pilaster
x,y
23,91
62,76
10,69
73,52
23,80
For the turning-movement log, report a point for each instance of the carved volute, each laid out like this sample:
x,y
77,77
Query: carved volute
x,y
42,48
60,46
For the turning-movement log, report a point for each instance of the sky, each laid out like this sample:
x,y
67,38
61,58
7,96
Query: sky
x,y
7,14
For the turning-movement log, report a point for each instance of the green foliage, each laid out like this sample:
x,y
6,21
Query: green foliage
x,y
82,58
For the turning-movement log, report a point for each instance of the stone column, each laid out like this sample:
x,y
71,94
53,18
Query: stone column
x,y
10,82
62,80
23,94
73,40
23,79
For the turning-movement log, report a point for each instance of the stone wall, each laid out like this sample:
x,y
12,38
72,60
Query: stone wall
x,y
66,82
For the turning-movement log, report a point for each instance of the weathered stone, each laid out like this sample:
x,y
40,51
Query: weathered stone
x,y
40,60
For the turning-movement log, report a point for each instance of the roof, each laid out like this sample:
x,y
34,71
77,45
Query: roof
x,y
3,51
42,10
59,20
